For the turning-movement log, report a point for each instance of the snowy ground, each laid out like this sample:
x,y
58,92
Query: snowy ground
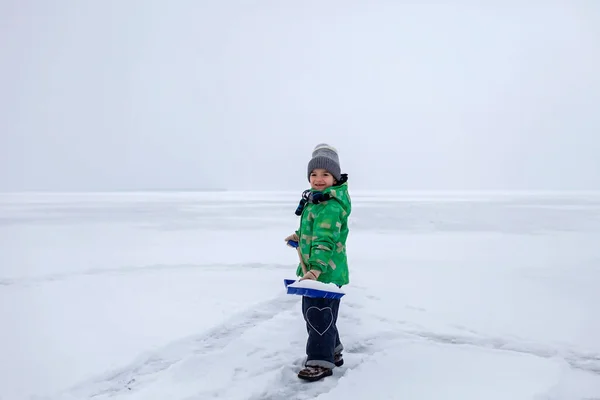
x,y
181,296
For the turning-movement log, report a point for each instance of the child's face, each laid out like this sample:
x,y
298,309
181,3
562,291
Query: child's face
x,y
320,179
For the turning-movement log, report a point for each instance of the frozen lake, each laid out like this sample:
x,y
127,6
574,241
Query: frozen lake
x,y
181,296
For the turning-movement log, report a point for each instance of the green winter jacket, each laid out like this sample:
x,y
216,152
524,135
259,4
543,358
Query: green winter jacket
x,y
323,233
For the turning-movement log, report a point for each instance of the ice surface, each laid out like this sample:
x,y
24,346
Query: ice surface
x,y
180,296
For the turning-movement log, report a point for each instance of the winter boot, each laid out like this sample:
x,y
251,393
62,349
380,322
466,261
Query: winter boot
x,y
338,359
314,373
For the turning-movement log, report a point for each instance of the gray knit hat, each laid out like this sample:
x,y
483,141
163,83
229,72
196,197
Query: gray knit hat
x,y
326,157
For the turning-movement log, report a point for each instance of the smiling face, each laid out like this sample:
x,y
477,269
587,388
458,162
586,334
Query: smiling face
x,y
320,179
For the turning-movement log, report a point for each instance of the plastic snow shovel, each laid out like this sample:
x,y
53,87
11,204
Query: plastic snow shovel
x,y
310,288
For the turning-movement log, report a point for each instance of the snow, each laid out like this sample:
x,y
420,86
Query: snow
x,y
181,296
310,284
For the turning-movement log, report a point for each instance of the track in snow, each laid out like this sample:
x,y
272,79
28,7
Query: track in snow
x,y
262,347
146,371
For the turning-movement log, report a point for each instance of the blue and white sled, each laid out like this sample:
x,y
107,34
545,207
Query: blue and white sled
x,y
310,288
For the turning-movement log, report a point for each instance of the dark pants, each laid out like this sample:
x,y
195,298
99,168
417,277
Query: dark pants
x,y
323,337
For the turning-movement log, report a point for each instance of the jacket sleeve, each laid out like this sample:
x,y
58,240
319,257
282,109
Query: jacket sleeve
x,y
326,234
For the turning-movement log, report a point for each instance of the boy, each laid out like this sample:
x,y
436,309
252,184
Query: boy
x,y
322,238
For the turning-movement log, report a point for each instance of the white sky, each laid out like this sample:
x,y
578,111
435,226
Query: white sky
x,y
145,94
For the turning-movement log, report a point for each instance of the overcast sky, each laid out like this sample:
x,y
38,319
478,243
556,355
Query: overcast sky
x,y
112,94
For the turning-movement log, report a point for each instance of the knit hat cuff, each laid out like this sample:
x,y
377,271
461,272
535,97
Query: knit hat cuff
x,y
325,163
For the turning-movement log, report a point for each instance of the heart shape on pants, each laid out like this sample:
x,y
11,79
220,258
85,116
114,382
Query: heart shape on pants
x,y
319,319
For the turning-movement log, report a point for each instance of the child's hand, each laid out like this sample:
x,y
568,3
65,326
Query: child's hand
x,y
293,237
312,275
